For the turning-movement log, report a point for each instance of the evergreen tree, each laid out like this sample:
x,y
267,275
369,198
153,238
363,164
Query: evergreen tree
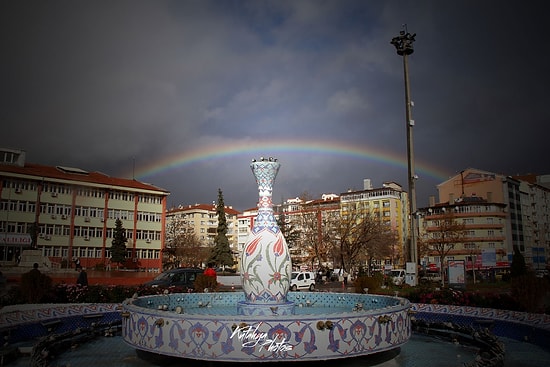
x,y
221,252
118,245
518,267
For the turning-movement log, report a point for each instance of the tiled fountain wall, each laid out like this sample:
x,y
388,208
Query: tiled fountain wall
x,y
323,325
26,324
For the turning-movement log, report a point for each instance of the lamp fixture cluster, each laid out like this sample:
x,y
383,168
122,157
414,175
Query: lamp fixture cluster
x,y
262,159
404,42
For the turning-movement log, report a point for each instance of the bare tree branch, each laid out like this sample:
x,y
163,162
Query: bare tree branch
x,y
442,237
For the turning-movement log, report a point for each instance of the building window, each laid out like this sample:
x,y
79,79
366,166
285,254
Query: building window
x,y
9,157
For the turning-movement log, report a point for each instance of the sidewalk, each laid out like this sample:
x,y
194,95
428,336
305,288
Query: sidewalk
x,y
95,277
133,278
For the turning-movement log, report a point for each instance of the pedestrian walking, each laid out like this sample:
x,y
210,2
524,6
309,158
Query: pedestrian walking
x,y
82,279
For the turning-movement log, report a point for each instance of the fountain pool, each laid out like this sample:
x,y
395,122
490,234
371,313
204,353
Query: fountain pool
x,y
313,326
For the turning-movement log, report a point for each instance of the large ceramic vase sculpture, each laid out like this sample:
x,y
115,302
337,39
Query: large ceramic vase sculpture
x,y
265,261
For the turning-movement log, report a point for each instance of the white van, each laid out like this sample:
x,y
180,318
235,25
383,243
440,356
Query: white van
x,y
302,280
397,276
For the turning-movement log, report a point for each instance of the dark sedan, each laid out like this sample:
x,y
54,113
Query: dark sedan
x,y
180,277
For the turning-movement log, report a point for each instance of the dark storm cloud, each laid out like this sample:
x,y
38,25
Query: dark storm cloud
x,y
105,85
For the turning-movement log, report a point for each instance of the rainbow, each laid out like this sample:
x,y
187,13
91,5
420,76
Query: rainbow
x,y
257,148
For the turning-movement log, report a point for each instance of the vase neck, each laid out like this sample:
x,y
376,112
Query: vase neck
x,y
265,173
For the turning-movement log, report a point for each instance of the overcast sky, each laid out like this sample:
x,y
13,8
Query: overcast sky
x,y
183,94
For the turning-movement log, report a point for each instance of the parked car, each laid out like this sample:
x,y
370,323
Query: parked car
x,y
397,276
226,270
503,275
180,277
302,280
430,278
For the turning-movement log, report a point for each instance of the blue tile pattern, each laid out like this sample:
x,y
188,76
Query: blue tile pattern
x,y
324,326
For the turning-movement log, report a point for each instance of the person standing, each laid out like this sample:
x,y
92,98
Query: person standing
x,y
82,279
35,277
34,271
34,284
210,271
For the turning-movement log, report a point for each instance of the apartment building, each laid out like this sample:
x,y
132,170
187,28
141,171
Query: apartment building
x,y
70,213
202,221
499,212
484,244
311,218
536,219
389,204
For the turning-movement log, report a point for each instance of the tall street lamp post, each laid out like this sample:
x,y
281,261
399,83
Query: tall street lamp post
x,y
404,46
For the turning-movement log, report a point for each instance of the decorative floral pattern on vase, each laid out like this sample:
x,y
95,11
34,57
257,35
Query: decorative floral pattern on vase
x,y
265,259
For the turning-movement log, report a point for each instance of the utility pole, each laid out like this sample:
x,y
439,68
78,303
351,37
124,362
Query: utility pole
x,y
404,46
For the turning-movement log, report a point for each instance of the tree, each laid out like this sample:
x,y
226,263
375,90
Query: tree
x,y
183,247
444,236
360,235
189,250
174,228
518,267
529,290
221,252
290,232
422,246
380,244
316,225
118,245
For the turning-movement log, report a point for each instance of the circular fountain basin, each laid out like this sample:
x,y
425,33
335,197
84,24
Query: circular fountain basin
x,y
311,326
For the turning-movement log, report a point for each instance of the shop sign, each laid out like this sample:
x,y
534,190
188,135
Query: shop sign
x,y
15,239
